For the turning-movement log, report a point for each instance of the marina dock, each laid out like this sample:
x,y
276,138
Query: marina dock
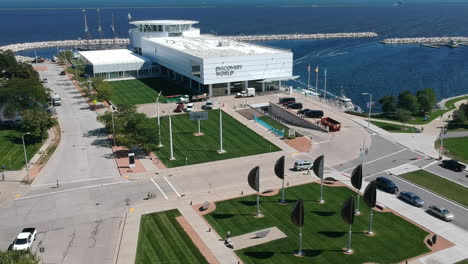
x,y
124,41
433,40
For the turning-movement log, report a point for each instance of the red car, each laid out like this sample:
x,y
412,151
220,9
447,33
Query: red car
x,y
179,108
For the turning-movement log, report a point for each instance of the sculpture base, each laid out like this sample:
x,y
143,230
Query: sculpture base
x,y
347,251
369,233
222,151
283,202
321,201
198,134
259,215
299,254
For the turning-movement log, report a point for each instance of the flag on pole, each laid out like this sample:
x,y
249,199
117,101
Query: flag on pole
x,y
308,68
325,73
316,69
129,16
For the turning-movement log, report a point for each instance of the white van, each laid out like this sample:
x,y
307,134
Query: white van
x,y
302,165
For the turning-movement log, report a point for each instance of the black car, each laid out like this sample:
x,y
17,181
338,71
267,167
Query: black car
x,y
453,165
303,111
63,73
387,185
295,106
285,100
314,114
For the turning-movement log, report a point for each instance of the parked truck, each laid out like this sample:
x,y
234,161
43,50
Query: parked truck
x,y
24,239
56,100
194,98
332,124
249,92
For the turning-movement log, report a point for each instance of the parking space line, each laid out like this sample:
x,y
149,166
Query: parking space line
x,y
159,188
172,186
316,143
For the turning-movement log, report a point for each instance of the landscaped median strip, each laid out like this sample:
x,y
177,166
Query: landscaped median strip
x,y
433,183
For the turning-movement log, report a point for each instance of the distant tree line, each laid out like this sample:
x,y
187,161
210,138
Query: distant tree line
x,y
22,94
407,105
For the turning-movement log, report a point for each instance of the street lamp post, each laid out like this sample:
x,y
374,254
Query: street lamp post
x,y
159,122
221,150
113,124
26,157
370,107
442,134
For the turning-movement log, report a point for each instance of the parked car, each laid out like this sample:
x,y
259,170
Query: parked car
x,y
295,106
190,108
285,100
44,80
63,73
303,111
24,240
411,198
208,105
302,165
179,108
441,212
314,114
387,185
453,165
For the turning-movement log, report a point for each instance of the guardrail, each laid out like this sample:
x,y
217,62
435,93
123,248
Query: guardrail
x,y
277,132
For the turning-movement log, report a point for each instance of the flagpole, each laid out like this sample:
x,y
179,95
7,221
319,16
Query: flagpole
x,y
325,86
316,79
308,79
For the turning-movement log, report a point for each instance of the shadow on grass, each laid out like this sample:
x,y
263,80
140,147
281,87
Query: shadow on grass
x,y
332,234
226,216
249,203
259,255
323,213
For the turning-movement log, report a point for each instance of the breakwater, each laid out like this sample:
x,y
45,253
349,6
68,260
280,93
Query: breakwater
x,y
434,40
302,36
123,42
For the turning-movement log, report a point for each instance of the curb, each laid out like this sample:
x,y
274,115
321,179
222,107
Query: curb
x,y
119,238
424,188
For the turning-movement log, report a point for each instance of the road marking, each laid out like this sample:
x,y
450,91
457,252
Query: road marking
x,y
172,186
430,192
387,170
430,164
18,195
68,182
325,141
131,210
383,157
70,190
159,188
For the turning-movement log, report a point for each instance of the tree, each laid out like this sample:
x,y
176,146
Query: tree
x,y
10,68
407,101
18,257
36,121
403,115
104,91
460,116
388,104
19,94
426,99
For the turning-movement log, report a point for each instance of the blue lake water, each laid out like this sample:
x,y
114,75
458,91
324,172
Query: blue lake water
x,y
354,65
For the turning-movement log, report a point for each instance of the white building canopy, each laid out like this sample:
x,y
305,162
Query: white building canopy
x,y
117,60
279,79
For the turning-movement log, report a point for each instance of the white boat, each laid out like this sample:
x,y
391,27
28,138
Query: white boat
x,y
347,104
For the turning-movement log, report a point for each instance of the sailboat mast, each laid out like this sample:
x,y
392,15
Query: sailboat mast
x,y
101,34
86,28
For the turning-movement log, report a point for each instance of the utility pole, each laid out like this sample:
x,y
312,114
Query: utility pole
x,y
159,121
221,150
370,107
325,86
26,157
316,79
113,124
308,78
170,138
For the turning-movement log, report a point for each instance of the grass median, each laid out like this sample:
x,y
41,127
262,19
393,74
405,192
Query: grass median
x,y
437,184
238,140
11,148
143,91
324,232
393,128
162,240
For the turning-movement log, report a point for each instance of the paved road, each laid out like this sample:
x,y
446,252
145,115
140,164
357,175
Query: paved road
x,y
83,152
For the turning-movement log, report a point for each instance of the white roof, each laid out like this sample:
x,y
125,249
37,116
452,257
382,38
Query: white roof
x,y
164,22
207,46
114,56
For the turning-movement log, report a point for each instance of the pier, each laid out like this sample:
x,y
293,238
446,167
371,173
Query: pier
x,y
124,41
433,40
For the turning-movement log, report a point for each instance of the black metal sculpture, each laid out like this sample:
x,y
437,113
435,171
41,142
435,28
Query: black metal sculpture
x,y
254,183
297,218
279,171
318,170
356,181
370,198
347,213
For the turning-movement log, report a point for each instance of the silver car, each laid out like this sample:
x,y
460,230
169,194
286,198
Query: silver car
x,y
441,212
411,198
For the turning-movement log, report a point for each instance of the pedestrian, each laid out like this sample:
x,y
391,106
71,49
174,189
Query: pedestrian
x,y
3,176
228,235
308,171
422,129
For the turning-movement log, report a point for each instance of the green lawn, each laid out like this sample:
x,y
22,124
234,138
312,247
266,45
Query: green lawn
x,y
143,91
446,188
394,128
163,240
450,104
324,232
457,148
238,140
417,120
11,148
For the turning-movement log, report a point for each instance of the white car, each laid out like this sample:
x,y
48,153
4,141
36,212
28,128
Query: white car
x,y
190,108
24,240
302,165
441,212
